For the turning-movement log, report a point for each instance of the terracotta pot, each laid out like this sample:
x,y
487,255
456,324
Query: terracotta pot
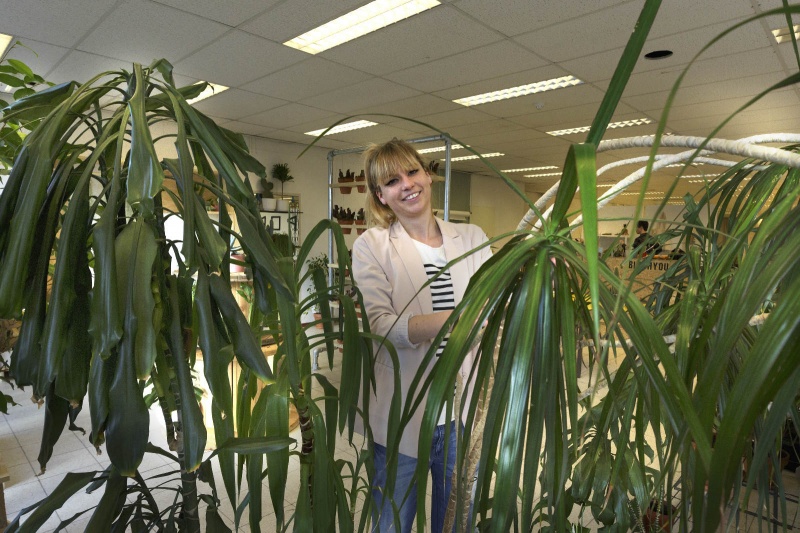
x,y
346,230
360,230
317,318
659,515
346,180
360,222
345,190
234,267
361,188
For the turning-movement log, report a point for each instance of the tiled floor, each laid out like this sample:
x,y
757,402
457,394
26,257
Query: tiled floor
x,y
20,437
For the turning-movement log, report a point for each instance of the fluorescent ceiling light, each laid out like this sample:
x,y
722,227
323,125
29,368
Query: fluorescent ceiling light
x,y
677,165
344,127
5,43
688,176
547,175
529,169
522,90
469,157
783,35
650,194
210,90
613,125
438,149
364,20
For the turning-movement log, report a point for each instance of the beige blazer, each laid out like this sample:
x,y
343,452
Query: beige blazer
x,y
388,270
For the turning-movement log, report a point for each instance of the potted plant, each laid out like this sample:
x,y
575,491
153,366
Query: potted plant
x,y
347,177
280,172
361,221
268,201
143,322
318,271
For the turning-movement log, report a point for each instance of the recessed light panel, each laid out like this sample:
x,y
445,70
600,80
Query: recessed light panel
x,y
344,127
5,44
469,157
784,35
522,90
529,169
210,90
545,175
359,22
613,125
438,149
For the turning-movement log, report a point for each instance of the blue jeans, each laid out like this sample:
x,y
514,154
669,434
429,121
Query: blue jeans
x,y
441,469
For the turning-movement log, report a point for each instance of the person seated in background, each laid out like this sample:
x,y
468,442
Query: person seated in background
x,y
651,246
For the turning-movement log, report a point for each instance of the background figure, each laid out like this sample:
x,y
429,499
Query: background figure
x,y
391,263
651,246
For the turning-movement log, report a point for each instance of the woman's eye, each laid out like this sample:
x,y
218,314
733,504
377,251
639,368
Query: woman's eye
x,y
413,171
391,182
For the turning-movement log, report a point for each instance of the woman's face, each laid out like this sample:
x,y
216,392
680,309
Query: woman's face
x,y
407,192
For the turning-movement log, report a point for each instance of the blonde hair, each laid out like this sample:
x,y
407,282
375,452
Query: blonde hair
x,y
381,162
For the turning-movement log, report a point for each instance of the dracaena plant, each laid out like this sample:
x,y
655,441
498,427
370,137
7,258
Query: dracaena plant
x,y
88,196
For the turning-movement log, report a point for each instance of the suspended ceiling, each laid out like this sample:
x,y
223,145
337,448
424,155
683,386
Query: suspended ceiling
x,y
416,67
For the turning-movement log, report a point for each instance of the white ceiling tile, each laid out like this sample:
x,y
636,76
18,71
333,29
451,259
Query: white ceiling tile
x,y
234,104
488,62
255,57
310,77
230,12
578,36
291,18
512,17
457,117
82,66
140,30
59,22
440,32
368,94
416,107
291,114
682,15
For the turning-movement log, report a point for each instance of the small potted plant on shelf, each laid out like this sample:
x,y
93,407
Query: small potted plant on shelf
x,y
361,221
360,182
347,177
268,202
280,172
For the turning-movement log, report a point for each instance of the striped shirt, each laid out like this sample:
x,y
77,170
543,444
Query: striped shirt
x,y
434,259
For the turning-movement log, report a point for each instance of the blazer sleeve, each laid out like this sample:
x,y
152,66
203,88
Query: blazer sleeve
x,y
370,274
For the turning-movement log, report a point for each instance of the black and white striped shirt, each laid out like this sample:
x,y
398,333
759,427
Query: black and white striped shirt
x,y
434,259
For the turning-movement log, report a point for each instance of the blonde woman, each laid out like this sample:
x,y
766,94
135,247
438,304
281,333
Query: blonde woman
x,y
391,263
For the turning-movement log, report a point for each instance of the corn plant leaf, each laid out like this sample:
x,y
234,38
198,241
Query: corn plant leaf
x,y
110,503
277,426
194,430
128,422
247,351
144,173
40,104
55,419
72,483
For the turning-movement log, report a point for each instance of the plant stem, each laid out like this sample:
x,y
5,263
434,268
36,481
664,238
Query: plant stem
x,y
188,479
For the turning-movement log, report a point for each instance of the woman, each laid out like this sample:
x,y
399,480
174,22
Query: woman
x,y
391,263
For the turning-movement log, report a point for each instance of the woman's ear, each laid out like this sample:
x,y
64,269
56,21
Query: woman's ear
x,y
380,196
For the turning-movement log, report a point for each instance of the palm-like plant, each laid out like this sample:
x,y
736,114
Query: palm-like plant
x,y
691,363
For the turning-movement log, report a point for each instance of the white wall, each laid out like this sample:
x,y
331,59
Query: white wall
x,y
495,207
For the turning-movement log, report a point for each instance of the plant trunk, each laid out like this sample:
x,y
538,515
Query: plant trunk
x,y
188,479
307,437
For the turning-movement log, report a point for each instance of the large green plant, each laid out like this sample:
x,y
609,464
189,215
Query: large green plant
x,y
689,364
88,189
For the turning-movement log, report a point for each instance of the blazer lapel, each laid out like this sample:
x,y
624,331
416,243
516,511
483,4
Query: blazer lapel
x,y
413,266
